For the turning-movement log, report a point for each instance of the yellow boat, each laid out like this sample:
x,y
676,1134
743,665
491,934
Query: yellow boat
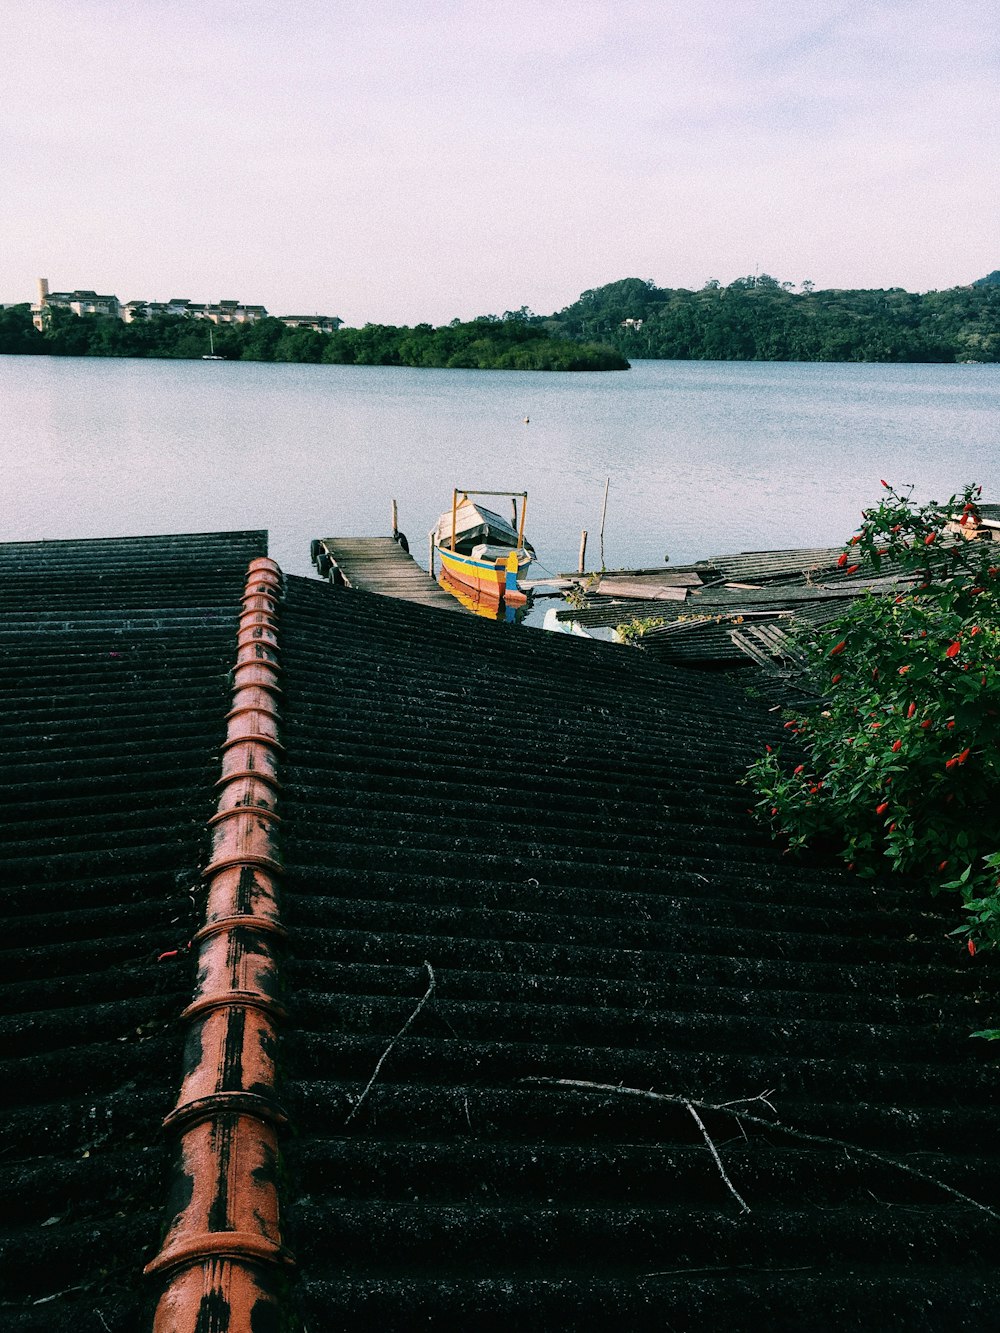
x,y
479,549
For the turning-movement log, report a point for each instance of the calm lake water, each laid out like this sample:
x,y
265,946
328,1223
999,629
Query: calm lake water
x,y
704,457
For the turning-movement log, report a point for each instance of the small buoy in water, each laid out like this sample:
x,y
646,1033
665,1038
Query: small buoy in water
x,y
526,420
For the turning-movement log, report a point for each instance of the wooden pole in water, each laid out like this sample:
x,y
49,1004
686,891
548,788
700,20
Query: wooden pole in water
x,y
604,511
454,516
430,538
395,521
583,551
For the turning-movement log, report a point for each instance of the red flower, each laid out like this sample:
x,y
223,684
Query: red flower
x,y
838,648
953,649
851,569
842,561
926,723
834,679
903,670
929,538
892,828
881,809
961,758
797,771
972,947
886,484
897,745
943,865
911,710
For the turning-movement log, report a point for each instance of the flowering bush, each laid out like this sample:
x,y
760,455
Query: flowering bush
x,y
899,762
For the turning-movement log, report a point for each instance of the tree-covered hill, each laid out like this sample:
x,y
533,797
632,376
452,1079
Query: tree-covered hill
x,y
752,319
517,341
761,319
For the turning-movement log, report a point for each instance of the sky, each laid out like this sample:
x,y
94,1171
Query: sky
x,y
401,161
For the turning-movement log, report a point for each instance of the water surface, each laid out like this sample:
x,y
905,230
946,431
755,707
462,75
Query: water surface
x,y
703,457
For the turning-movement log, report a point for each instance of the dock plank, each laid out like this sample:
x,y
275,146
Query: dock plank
x,y
380,565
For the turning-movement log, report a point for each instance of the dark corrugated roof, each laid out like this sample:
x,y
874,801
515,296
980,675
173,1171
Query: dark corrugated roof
x,y
552,829
556,827
116,656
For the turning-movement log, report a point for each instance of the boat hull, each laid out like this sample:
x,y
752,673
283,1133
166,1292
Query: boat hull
x,y
482,576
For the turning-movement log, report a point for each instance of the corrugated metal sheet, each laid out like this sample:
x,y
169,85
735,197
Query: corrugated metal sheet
x,y
553,831
515,864
116,656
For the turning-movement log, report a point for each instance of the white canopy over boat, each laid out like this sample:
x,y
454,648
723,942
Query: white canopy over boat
x,y
474,525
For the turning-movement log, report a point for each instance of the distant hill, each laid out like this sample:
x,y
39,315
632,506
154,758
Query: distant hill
x,y
759,318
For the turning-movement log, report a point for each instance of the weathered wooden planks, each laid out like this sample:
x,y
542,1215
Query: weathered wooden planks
x,y
380,565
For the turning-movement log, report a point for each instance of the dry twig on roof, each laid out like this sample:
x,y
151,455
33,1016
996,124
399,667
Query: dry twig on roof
x,y
402,1031
731,1108
717,1159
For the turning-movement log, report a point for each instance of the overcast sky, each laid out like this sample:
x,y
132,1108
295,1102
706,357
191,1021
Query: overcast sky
x,y
407,160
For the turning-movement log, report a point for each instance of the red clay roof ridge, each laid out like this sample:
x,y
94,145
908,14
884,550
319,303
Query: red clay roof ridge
x,y
223,1256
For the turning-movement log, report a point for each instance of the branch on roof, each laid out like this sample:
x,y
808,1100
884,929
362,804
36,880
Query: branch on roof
x,y
385,1054
717,1159
732,1108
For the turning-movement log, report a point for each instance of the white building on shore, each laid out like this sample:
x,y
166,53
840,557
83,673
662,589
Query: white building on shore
x,y
89,304
80,302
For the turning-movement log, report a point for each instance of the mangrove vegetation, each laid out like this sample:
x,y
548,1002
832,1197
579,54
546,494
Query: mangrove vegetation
x,y
515,341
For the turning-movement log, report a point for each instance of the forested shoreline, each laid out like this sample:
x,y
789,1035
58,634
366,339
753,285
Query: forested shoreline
x,y
761,319
752,319
516,341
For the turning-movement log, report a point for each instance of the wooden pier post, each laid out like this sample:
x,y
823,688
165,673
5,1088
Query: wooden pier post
x,y
430,556
395,520
581,563
604,511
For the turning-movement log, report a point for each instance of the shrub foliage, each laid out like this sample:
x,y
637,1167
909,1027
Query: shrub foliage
x,y
899,761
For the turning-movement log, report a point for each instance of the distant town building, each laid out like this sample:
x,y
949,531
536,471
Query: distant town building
x,y
86,303
81,302
222,312
321,323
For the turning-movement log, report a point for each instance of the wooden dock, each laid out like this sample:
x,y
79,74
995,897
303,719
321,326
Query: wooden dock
x,y
379,565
